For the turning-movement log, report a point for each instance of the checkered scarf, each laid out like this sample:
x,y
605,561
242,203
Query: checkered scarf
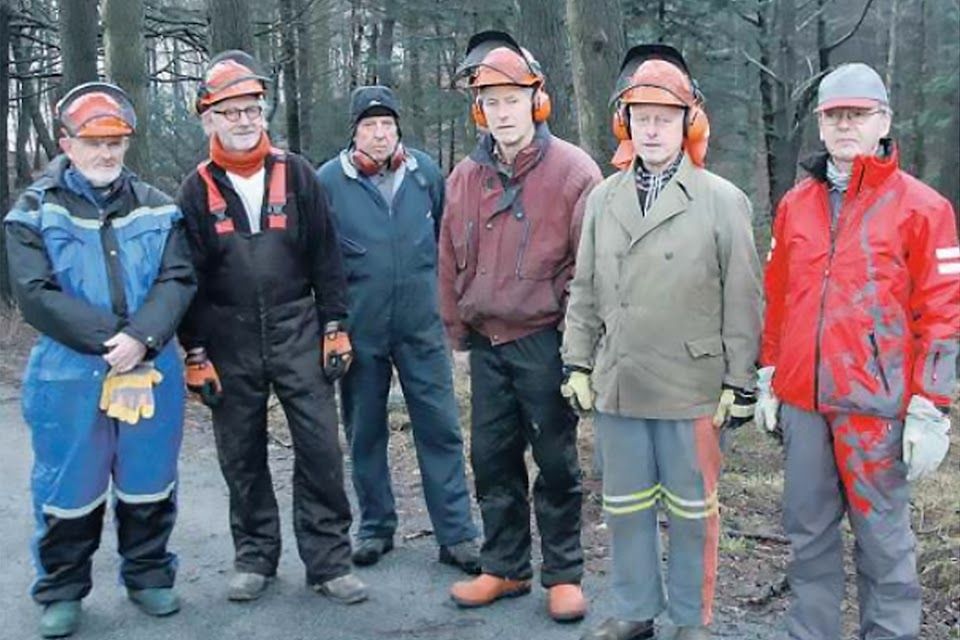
x,y
649,185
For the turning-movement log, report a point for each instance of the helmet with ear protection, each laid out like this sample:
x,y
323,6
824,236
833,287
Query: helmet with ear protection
x,y
495,59
658,74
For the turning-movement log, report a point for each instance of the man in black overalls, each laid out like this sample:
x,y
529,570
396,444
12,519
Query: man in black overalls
x,y
270,277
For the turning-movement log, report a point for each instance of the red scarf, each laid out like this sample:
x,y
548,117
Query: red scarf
x,y
243,163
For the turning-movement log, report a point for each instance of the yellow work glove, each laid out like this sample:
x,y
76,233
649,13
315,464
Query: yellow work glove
x,y
577,390
735,408
129,396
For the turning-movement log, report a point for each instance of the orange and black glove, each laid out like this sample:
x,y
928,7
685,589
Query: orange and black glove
x,y
337,351
202,378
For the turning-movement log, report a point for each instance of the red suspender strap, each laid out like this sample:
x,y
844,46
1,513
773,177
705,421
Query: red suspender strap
x,y
277,193
218,206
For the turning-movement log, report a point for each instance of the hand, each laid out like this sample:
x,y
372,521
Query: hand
x,y
735,408
765,415
202,378
925,438
124,352
577,390
337,351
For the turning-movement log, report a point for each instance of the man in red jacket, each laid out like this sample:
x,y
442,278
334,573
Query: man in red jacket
x,y
858,360
507,244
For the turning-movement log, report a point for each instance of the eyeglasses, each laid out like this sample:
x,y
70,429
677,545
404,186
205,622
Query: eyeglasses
x,y
253,113
854,116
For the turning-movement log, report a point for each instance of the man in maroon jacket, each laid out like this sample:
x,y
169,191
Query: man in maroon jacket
x,y
508,241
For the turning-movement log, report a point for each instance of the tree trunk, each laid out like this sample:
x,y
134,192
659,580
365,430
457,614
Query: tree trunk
x,y
6,294
545,35
385,44
920,117
78,42
305,77
598,43
291,86
231,26
22,50
126,65
413,63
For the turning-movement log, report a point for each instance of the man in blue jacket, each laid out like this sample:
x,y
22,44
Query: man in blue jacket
x,y
387,202
100,267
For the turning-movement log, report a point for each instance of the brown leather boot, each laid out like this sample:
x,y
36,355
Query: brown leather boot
x,y
565,602
486,589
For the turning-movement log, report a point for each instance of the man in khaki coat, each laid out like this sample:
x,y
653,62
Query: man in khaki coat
x,y
661,337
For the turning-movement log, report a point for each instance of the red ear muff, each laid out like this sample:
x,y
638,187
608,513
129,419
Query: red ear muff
x,y
368,166
541,105
620,124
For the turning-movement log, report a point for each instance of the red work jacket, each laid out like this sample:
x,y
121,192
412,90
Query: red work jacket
x,y
863,312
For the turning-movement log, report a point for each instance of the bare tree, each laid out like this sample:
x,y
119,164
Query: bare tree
x,y
385,43
544,34
598,44
126,64
230,25
291,87
78,42
6,293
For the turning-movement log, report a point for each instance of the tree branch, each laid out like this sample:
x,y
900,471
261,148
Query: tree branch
x,y
763,68
849,34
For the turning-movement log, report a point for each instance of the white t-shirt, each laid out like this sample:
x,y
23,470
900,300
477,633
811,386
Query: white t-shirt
x,y
250,191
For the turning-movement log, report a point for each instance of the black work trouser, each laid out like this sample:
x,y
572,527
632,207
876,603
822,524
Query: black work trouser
x,y
288,360
65,549
516,403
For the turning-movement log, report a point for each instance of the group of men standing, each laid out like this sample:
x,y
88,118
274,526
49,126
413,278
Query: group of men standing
x,y
638,297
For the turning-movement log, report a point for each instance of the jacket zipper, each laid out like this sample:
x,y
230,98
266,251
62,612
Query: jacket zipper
x,y
834,228
523,244
876,356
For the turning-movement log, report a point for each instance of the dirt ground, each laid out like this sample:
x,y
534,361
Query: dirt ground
x,y
753,550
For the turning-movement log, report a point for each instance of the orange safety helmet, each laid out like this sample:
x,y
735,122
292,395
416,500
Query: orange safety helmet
x,y
96,109
658,74
230,74
495,59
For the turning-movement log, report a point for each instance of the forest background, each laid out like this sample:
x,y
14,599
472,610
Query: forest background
x,y
758,63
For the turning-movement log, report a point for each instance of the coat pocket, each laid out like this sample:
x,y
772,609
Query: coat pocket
x,y
707,347
353,258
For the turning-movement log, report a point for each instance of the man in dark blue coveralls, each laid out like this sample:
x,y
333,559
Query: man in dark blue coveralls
x,y
387,202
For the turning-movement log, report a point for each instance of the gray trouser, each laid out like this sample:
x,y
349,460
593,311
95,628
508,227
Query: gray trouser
x,y
675,462
836,464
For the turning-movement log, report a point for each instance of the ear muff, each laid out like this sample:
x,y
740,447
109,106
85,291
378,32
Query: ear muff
x,y
476,112
541,105
621,123
696,126
368,166
541,108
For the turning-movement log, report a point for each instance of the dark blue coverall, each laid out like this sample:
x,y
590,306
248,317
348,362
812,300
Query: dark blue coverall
x,y
390,260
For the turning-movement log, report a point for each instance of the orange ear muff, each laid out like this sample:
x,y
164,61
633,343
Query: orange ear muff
x,y
541,105
697,136
476,112
620,125
698,127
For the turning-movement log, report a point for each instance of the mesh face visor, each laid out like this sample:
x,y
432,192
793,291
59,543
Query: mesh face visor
x,y
654,83
230,75
96,109
495,58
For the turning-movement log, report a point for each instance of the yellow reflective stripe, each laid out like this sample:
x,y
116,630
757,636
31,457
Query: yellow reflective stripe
x,y
691,515
630,497
617,511
709,500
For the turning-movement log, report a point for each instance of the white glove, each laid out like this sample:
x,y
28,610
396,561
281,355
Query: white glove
x,y
765,414
925,438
